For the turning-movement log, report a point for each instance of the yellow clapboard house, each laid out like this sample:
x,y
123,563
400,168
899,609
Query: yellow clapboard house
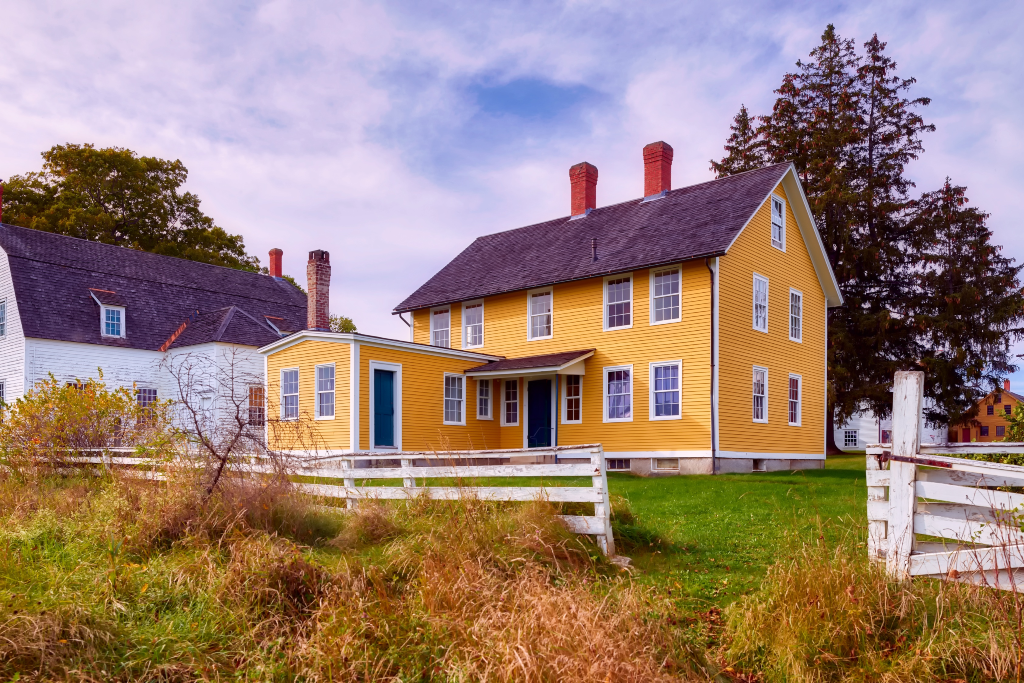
x,y
685,331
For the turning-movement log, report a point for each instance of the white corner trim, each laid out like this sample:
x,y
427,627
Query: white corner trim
x,y
354,381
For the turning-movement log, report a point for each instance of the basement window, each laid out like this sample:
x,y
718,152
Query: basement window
x,y
665,464
617,464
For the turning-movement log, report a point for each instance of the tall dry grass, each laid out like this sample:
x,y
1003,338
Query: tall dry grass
x,y
826,614
118,579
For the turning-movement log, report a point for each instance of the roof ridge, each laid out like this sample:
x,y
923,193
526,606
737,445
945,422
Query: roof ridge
x,y
224,323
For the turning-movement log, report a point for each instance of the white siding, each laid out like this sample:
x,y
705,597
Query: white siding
x,y
12,344
869,430
69,361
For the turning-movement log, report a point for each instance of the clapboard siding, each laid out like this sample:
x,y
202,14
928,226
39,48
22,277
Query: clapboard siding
x,y
577,325
423,425
12,344
305,356
741,347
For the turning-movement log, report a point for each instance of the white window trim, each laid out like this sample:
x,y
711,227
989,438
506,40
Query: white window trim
x,y
678,268
281,393
462,412
654,465
529,321
790,304
441,308
397,369
799,400
650,397
604,393
753,303
856,438
604,302
765,420
490,401
519,402
316,392
103,322
463,322
774,197
565,401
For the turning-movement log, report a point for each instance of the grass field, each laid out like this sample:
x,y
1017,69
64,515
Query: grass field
x,y
726,529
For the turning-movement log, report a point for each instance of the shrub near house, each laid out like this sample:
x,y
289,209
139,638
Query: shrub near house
x,y
675,329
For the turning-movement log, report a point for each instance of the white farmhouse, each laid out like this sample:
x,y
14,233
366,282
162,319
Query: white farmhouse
x,y
865,428
73,307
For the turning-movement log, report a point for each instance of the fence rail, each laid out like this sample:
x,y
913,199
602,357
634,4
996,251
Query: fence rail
x,y
416,466
918,490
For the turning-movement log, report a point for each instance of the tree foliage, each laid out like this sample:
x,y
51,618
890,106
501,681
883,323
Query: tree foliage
x,y
115,196
341,323
57,421
850,125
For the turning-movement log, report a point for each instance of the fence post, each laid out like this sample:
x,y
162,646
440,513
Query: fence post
x,y
876,525
907,396
350,482
603,511
408,482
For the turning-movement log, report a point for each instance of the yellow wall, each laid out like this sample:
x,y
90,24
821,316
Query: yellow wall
x,y
305,356
423,425
996,419
741,347
577,325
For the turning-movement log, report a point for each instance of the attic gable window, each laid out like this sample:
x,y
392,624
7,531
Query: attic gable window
x,y
778,223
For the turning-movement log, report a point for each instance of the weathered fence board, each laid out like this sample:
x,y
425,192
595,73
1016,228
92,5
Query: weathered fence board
x,y
927,492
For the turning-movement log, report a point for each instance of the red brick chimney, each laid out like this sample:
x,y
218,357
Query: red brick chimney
x,y
318,284
1006,385
657,168
275,262
583,180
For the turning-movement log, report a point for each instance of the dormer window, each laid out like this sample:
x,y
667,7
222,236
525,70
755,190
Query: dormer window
x,y
112,316
113,321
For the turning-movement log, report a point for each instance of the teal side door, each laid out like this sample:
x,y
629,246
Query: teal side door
x,y
538,413
383,408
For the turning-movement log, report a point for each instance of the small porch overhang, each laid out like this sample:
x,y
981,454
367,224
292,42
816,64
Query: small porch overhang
x,y
564,363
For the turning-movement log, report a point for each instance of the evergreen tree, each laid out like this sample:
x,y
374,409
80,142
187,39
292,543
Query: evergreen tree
x,y
115,196
744,148
969,304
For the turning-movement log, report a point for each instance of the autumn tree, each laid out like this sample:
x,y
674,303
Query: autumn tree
x,y
115,196
744,148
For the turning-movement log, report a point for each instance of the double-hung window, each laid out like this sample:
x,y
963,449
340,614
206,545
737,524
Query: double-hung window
x,y
454,400
990,410
572,407
850,438
618,302
795,399
145,398
760,394
473,325
618,394
325,391
778,223
540,314
796,315
510,403
666,395
3,318
113,321
257,406
665,286
290,394
440,327
760,303
1008,409
483,399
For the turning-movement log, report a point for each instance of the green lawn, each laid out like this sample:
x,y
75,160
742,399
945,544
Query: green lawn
x,y
725,530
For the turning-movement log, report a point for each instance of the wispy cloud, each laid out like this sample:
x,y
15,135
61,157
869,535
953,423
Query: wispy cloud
x,y
394,133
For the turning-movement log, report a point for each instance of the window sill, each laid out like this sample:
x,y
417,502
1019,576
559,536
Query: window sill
x,y
617,419
323,418
795,424
760,422
550,336
453,424
620,327
758,329
664,322
488,418
509,424
572,422
798,341
663,418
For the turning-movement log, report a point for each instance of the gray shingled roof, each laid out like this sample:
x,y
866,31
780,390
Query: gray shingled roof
x,y
688,223
230,325
53,276
548,360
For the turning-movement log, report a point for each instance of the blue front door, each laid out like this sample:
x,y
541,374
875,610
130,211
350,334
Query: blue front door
x,y
383,408
538,418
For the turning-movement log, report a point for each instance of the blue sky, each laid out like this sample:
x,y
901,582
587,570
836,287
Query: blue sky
x,y
391,134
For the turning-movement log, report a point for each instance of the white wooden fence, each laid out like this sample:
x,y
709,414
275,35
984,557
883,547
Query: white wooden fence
x,y
918,490
412,467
